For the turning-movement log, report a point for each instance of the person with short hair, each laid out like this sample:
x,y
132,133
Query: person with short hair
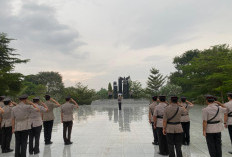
x,y
228,116
36,126
119,102
212,125
67,118
185,120
21,125
152,107
48,118
172,127
6,125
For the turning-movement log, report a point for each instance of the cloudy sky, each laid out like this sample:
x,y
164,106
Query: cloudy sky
x,y
95,41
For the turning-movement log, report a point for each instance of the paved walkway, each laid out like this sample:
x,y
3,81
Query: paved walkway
x,y
103,131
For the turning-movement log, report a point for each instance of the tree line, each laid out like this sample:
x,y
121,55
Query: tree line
x,y
198,72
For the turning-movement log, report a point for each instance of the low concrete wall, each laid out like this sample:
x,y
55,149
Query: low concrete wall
x,y
124,101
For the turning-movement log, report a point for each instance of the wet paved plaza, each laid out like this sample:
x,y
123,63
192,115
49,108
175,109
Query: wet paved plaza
x,y
103,131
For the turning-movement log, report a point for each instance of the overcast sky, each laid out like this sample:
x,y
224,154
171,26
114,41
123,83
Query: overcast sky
x,y
95,41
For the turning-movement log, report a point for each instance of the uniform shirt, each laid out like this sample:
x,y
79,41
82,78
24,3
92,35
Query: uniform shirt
x,y
120,99
169,111
49,115
208,113
21,114
152,110
67,110
185,115
159,111
1,104
35,116
6,116
229,109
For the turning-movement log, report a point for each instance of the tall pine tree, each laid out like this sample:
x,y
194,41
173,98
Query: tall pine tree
x,y
155,81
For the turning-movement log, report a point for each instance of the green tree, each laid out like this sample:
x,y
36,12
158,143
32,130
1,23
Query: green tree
x,y
101,94
170,89
33,89
155,81
10,82
136,90
110,89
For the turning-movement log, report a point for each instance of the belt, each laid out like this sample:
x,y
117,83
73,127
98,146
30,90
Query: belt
x,y
173,123
184,114
214,122
161,117
229,115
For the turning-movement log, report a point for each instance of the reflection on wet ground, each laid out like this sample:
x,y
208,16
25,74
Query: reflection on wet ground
x,y
103,131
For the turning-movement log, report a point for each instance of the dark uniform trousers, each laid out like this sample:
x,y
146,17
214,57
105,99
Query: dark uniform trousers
x,y
67,126
6,137
21,143
34,135
119,105
214,144
47,130
163,146
155,135
230,132
174,140
0,135
186,128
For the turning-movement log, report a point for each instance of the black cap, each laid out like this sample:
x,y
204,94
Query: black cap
x,y
210,97
6,100
24,96
154,98
36,98
162,97
174,98
68,97
229,95
183,98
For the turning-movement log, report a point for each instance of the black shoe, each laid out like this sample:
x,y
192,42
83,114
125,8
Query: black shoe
x,y
47,143
36,152
230,152
3,151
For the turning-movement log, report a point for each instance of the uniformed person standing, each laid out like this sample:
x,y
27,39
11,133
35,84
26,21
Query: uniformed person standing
x,y
36,126
21,124
212,125
172,127
185,120
158,124
67,118
151,121
6,125
1,105
119,101
228,116
48,118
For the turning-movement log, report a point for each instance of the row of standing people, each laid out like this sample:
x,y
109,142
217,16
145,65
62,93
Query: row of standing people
x,y
26,118
171,124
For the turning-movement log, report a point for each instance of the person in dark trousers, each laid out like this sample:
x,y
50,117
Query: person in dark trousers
x,y
119,101
152,107
185,120
212,125
228,117
158,125
20,126
36,126
67,118
172,127
5,120
48,118
1,106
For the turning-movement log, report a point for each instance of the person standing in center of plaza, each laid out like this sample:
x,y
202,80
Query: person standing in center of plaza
x,y
36,126
67,118
185,120
172,127
152,107
119,102
158,124
212,125
21,125
228,117
48,118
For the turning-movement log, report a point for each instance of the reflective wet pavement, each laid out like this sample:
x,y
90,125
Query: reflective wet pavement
x,y
103,131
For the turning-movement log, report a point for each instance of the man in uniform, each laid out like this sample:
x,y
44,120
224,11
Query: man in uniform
x,y
150,117
172,127
36,126
21,125
67,118
1,105
185,120
5,120
158,124
228,116
212,125
48,118
119,102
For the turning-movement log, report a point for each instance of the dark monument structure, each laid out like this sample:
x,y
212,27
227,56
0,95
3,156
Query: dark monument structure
x,y
115,90
123,87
